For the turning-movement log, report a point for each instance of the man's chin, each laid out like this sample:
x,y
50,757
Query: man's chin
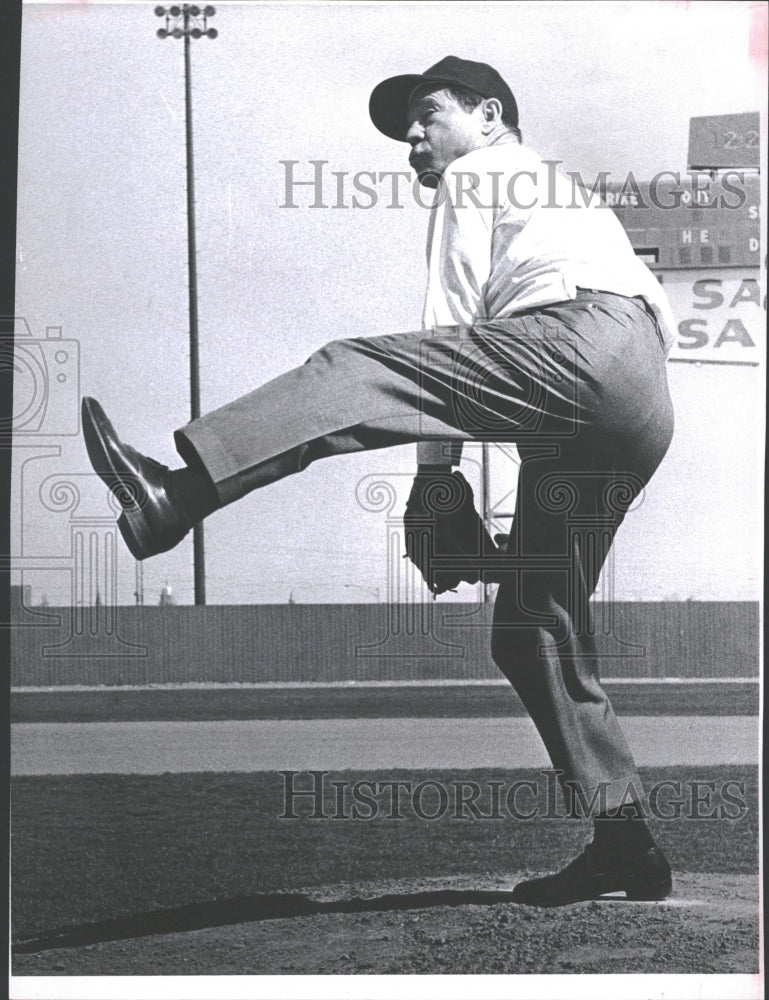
x,y
429,179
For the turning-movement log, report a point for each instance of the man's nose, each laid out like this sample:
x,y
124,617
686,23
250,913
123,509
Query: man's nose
x,y
415,133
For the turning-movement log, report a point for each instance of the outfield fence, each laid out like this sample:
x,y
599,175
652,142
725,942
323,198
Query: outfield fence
x,y
339,642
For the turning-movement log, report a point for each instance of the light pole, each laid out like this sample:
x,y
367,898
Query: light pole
x,y
139,591
190,21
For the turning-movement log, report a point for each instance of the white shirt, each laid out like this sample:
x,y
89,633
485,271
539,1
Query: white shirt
x,y
508,232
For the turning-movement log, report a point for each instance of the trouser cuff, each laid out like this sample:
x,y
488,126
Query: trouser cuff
x,y
204,451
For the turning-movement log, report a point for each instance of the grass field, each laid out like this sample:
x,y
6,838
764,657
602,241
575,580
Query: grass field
x,y
445,701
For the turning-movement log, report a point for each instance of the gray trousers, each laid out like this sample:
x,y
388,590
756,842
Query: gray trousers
x,y
581,388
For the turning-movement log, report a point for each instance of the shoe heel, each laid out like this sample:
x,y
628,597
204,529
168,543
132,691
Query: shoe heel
x,y
650,891
128,525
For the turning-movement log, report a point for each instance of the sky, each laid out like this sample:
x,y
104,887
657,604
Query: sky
x,y
102,256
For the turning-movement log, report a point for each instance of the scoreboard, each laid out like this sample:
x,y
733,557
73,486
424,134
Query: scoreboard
x,y
699,232
691,219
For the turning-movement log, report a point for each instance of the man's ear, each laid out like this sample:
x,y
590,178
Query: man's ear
x,y
492,112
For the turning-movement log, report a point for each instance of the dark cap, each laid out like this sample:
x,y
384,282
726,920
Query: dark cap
x,y
390,99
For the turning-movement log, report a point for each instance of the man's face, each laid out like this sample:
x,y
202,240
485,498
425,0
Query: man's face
x,y
440,131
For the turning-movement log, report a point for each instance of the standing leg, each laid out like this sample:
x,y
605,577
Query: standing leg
x,y
543,638
567,513
572,497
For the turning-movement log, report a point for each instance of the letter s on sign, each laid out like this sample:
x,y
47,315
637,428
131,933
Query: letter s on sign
x,y
688,328
712,295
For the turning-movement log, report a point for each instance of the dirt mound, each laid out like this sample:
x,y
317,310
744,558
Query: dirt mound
x,y
458,925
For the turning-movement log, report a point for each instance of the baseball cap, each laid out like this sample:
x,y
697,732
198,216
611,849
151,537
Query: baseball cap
x,y
389,100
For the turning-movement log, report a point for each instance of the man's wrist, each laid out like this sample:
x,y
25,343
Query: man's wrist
x,y
429,468
439,453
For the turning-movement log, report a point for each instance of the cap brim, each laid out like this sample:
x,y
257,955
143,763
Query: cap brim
x,y
389,102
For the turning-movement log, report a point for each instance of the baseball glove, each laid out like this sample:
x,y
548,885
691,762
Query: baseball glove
x,y
446,538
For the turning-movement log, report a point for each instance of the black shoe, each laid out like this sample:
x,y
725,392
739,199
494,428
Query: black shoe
x,y
150,523
643,876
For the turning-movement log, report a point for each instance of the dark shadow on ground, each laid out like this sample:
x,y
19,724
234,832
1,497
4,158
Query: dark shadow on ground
x,y
247,909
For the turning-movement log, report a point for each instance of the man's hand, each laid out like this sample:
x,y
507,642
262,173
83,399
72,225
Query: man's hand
x,y
442,527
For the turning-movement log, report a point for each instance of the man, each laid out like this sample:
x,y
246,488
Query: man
x,y
542,328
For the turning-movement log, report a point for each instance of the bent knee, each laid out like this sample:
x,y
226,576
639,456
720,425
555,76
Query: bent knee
x,y
337,352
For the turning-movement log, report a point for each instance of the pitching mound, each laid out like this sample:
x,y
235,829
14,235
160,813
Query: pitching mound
x,y
457,925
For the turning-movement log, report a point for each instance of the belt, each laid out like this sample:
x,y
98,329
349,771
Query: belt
x,y
602,293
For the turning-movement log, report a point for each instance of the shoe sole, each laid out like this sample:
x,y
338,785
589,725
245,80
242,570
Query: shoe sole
x,y
646,892
133,528
650,893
